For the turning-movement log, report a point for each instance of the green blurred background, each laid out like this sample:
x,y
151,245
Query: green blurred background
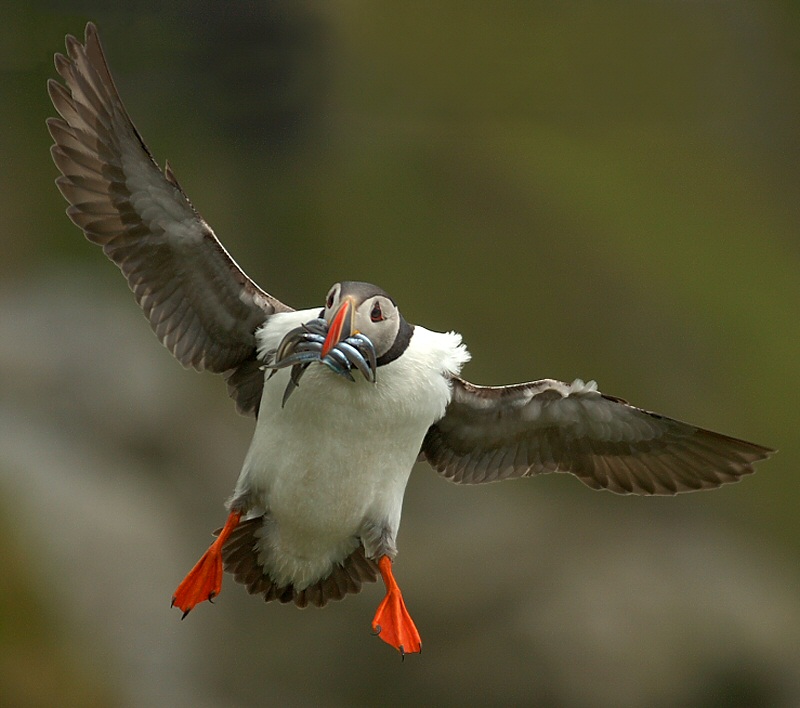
x,y
601,190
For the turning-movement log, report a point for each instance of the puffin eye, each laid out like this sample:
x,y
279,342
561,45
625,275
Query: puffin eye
x,y
377,314
329,302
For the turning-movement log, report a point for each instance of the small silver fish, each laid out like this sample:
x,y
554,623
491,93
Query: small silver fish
x,y
302,346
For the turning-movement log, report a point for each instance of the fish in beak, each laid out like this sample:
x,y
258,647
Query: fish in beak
x,y
337,345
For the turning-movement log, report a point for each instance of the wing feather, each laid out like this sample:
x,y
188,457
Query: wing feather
x,y
492,433
200,304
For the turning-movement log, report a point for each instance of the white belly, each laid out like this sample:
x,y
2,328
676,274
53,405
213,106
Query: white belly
x,y
337,456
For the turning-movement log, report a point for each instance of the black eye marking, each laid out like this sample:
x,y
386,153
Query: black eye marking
x,y
329,302
377,314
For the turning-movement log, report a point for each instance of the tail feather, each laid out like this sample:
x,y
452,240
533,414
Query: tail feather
x,y
240,558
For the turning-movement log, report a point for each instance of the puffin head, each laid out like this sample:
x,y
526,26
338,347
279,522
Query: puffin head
x,y
353,307
359,328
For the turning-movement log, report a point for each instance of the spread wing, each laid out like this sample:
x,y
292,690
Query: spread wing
x,y
200,304
494,433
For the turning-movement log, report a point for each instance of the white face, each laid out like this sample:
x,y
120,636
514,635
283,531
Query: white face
x,y
374,315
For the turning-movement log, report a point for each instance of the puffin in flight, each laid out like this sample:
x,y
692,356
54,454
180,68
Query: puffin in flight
x,y
347,395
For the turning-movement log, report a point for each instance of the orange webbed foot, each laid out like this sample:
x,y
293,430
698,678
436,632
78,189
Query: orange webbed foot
x,y
392,622
204,581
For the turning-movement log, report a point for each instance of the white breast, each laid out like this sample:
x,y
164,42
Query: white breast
x,y
340,453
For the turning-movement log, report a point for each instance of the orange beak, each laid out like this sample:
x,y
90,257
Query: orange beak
x,y
341,326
